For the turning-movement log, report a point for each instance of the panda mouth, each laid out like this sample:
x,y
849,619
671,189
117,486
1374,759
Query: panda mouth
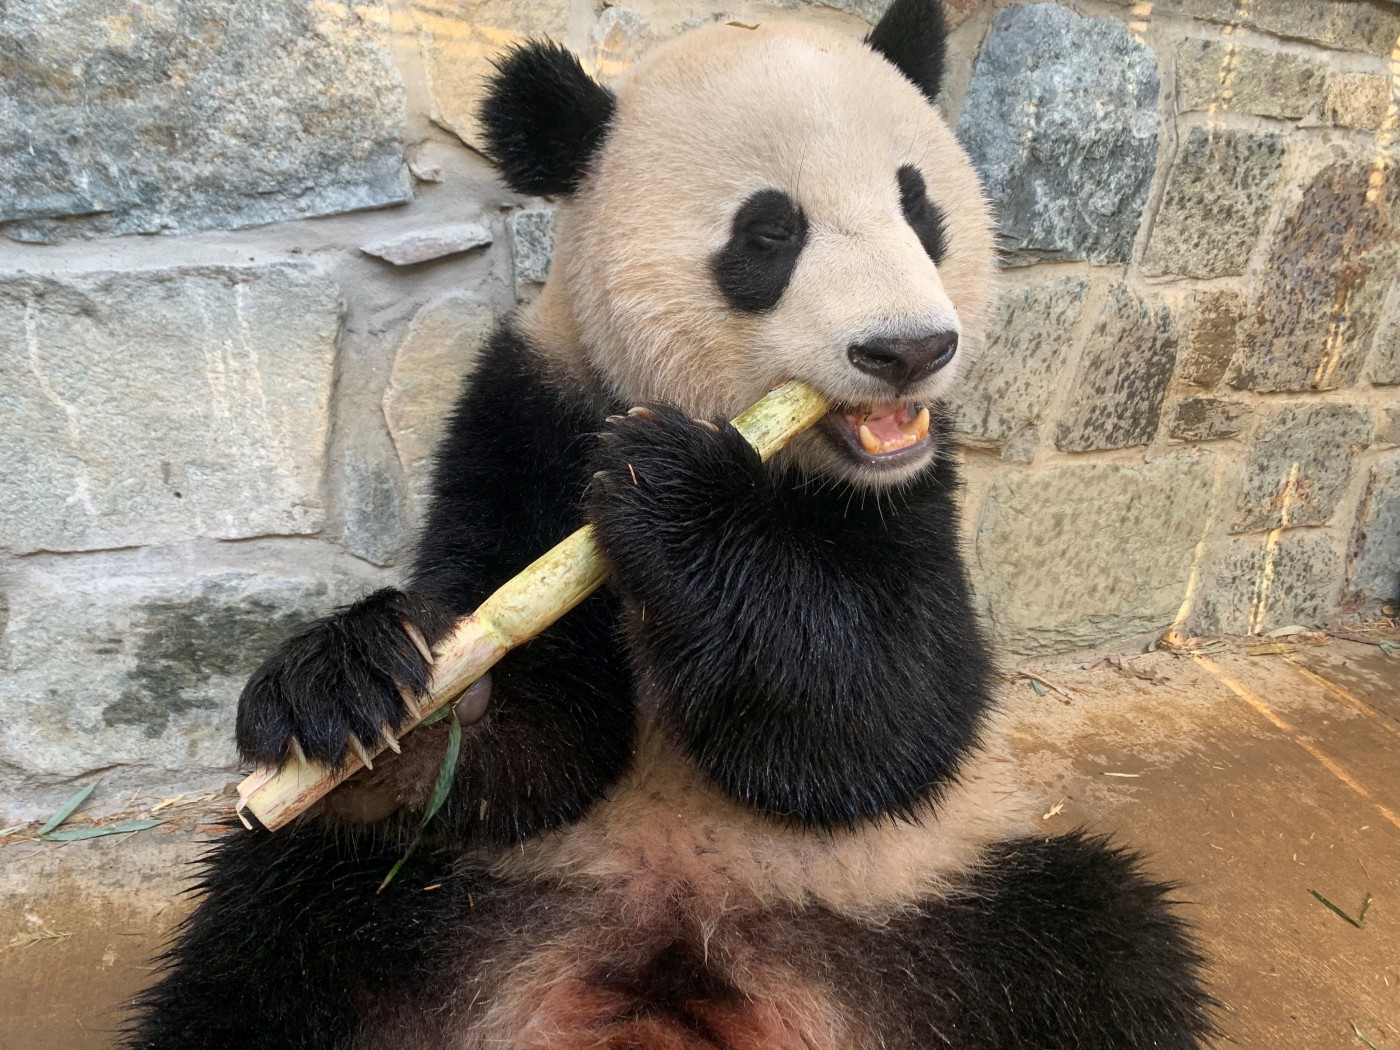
x,y
880,433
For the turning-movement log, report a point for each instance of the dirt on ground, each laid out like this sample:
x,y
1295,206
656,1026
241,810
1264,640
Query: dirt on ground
x,y
1261,775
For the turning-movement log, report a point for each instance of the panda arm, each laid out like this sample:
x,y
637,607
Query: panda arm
x,y
812,647
507,483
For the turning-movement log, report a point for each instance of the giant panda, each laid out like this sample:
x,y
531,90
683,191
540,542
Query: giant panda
x,y
743,797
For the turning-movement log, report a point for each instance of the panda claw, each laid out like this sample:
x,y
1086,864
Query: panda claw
x,y
390,741
707,425
614,420
642,412
410,701
360,751
419,642
294,746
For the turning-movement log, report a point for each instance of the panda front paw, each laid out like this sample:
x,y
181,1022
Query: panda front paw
x,y
342,682
663,483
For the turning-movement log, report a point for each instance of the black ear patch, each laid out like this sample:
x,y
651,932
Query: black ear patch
x,y
914,36
544,118
768,234
924,217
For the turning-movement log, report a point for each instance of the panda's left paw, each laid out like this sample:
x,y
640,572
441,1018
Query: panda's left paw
x,y
663,482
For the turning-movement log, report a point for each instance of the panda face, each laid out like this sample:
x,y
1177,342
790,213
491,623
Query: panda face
x,y
771,204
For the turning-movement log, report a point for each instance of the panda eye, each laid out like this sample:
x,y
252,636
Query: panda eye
x,y
770,235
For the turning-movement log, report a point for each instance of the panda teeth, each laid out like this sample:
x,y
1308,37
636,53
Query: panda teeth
x,y
868,441
917,428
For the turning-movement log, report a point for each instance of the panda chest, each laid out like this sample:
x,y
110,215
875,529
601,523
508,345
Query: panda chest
x,y
666,919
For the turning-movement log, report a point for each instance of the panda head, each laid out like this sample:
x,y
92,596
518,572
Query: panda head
x,y
752,205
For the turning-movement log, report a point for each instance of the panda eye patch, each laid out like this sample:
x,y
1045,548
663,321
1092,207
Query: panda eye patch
x,y
923,216
766,237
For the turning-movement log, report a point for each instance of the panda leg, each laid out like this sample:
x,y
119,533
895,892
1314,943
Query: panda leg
x,y
1059,943
289,942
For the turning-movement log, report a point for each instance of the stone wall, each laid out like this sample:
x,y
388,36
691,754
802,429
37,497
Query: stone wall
x,y
245,243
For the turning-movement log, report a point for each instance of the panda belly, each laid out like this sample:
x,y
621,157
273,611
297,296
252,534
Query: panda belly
x,y
673,917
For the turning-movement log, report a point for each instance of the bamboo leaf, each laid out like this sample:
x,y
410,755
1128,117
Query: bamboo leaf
x,y
76,834
441,789
66,810
1338,911
1363,1037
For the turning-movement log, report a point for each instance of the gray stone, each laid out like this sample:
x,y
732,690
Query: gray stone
x,y
1207,418
1374,552
1009,386
1061,121
1319,298
159,405
1219,194
1122,377
177,115
1371,26
374,512
419,246
1384,367
1357,100
1255,584
1298,465
441,345
532,238
458,40
1023,446
1220,76
1079,555
1211,338
130,671
617,40
1388,427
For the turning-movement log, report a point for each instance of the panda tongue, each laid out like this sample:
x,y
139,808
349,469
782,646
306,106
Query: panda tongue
x,y
884,421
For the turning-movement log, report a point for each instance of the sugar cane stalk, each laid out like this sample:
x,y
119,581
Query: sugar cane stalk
x,y
523,607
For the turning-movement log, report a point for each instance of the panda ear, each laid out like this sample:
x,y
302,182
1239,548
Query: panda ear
x,y
544,118
914,35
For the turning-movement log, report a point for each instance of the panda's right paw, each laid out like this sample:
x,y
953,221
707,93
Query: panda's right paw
x,y
342,682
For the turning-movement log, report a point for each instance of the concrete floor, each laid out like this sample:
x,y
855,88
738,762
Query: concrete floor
x,y
1249,779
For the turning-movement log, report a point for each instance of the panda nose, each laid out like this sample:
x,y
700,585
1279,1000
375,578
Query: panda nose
x,y
903,362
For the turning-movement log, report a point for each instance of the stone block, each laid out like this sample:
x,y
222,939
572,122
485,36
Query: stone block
x,y
441,346
1319,297
1370,26
1124,369
1211,338
1207,418
617,40
130,671
1014,376
1084,554
1061,121
1220,76
1298,465
1388,427
148,407
420,246
1219,193
1254,584
1384,367
179,115
374,512
1357,100
1373,572
532,239
459,38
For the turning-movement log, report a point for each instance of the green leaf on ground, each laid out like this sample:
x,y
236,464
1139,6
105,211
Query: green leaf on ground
x,y
67,810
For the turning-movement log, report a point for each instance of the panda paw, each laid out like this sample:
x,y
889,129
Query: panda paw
x,y
343,682
663,482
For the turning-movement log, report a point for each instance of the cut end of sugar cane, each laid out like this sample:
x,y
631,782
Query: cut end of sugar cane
x,y
523,607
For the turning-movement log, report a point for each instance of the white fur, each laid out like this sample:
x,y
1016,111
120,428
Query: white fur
x,y
702,123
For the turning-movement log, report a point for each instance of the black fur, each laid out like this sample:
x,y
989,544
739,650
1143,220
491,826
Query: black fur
x,y
767,236
923,216
544,118
913,34
814,646
509,481
1059,943
290,942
